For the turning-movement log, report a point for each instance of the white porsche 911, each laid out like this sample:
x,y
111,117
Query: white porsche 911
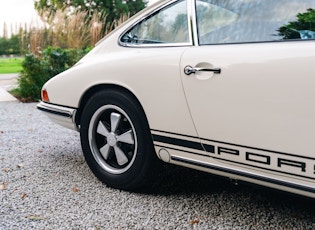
x,y
226,87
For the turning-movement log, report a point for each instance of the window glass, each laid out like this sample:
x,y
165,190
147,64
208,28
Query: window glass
x,y
239,21
169,25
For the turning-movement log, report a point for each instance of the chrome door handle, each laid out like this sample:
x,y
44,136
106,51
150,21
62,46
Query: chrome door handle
x,y
189,70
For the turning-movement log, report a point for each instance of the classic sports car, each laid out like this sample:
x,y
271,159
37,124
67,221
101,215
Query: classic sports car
x,y
225,87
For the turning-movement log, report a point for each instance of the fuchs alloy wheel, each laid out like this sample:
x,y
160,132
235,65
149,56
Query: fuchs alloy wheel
x,y
112,139
116,140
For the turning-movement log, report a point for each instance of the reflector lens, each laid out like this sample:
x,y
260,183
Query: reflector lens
x,y
45,95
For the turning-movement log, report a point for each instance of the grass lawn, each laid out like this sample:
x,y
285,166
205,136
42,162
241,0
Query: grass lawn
x,y
10,65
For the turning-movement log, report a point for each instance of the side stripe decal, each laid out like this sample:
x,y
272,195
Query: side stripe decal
x,y
291,165
178,142
231,144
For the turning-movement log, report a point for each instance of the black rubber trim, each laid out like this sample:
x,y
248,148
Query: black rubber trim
x,y
49,103
272,181
63,114
258,167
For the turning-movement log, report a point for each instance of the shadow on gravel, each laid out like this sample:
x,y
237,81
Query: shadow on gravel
x,y
175,180
179,181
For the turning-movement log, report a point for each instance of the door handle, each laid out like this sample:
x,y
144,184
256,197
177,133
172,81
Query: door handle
x,y
189,70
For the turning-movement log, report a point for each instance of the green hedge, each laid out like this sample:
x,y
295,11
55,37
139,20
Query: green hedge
x,y
39,69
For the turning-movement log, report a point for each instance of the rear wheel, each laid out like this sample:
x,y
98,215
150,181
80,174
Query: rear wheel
x,y
116,140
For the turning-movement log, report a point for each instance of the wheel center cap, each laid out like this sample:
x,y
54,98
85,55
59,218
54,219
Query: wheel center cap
x,y
111,139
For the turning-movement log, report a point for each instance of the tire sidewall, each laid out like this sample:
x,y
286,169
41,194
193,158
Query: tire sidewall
x,y
135,175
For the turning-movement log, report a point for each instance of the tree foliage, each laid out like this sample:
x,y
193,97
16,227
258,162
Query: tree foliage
x,y
113,9
10,46
305,23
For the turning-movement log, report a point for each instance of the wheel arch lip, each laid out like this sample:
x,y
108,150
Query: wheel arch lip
x,y
90,91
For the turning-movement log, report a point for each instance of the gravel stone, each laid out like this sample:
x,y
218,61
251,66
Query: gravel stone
x,y
48,185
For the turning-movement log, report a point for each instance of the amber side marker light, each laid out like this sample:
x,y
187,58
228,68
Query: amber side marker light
x,y
45,95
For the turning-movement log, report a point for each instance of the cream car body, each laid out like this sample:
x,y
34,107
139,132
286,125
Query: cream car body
x,y
253,121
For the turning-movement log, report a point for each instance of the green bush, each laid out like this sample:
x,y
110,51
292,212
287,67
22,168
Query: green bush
x,y
39,69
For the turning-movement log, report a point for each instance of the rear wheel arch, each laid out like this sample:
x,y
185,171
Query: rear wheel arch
x,y
98,88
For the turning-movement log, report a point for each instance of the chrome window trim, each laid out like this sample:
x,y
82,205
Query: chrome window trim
x,y
190,43
193,21
196,33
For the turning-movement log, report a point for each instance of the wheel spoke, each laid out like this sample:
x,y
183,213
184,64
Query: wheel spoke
x,y
114,121
105,151
120,156
126,137
101,129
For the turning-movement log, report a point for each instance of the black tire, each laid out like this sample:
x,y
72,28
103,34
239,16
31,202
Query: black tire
x,y
116,140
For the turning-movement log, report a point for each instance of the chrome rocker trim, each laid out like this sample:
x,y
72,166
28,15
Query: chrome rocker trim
x,y
61,115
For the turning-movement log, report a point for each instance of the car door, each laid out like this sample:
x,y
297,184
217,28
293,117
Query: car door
x,y
151,49
250,84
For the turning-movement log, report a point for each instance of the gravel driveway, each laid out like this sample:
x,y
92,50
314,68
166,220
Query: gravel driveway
x,y
46,184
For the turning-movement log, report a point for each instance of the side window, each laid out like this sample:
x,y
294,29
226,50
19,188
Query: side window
x,y
230,21
169,25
